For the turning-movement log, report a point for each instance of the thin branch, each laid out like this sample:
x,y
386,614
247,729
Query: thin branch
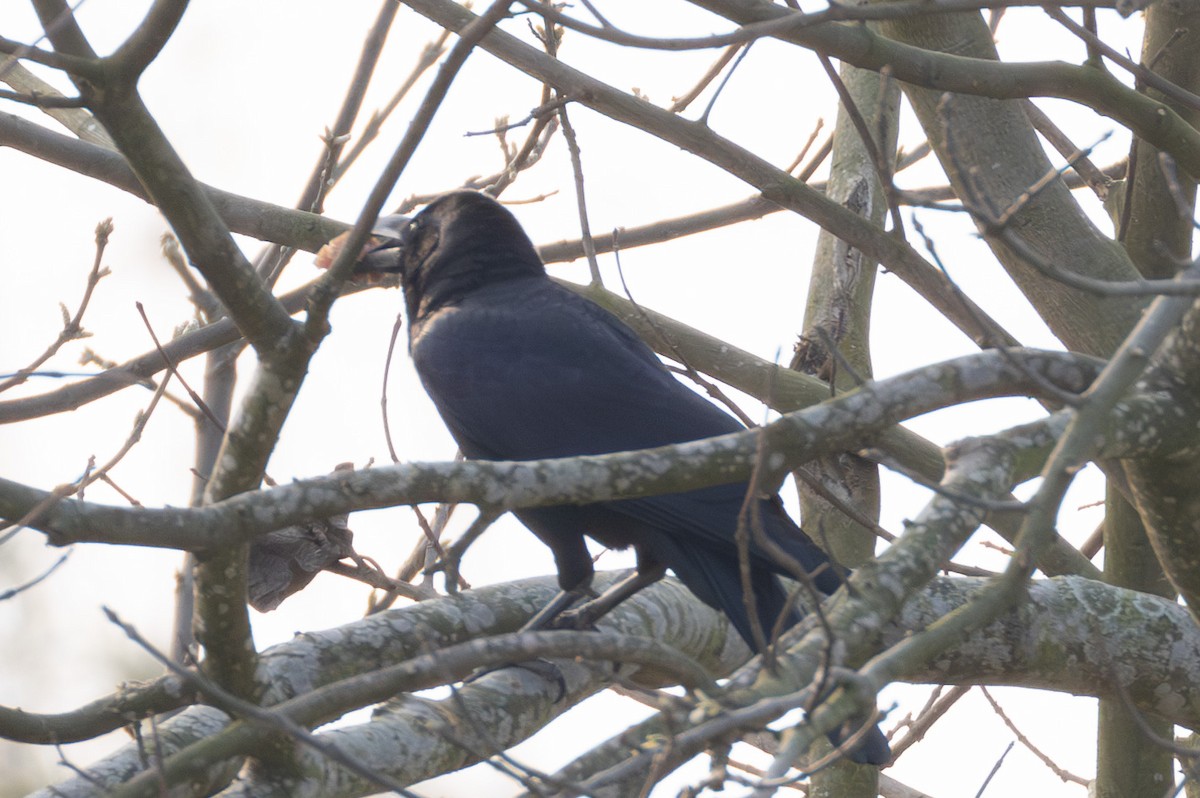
x,y
995,769
44,102
332,700
589,247
712,102
450,559
787,22
681,102
131,58
1065,775
836,425
266,718
173,372
776,184
1092,176
882,171
710,387
931,713
328,286
72,325
86,65
1144,75
326,172
14,591
428,57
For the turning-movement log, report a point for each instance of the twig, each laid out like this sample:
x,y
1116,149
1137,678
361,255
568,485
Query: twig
x,y
549,37
585,228
449,561
368,572
882,170
1144,75
428,57
383,397
712,102
173,372
995,769
681,102
1183,206
990,505
72,325
931,713
1065,775
325,174
90,476
13,591
1095,179
822,152
710,387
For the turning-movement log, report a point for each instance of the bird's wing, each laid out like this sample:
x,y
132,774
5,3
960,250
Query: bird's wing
x,y
526,369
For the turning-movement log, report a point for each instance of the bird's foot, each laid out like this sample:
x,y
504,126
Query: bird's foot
x,y
580,619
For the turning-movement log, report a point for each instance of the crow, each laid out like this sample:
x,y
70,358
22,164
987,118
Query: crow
x,y
521,368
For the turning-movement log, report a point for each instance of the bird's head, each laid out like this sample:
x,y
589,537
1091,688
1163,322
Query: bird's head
x,y
460,241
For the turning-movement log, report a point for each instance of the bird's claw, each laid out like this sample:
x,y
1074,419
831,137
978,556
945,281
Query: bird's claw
x,y
577,619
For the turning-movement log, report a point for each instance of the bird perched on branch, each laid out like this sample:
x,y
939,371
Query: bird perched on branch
x,y
521,368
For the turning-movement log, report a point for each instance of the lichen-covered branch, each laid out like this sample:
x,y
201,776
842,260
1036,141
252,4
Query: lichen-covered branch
x,y
845,422
1072,635
356,659
848,630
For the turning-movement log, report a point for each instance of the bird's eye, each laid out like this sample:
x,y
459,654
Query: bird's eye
x,y
411,230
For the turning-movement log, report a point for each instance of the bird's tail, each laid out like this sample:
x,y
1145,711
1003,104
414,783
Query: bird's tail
x,y
717,582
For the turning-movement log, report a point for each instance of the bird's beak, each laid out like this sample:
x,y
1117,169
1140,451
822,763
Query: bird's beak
x,y
380,255
385,248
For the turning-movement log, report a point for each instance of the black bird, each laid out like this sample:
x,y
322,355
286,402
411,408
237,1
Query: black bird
x,y
521,368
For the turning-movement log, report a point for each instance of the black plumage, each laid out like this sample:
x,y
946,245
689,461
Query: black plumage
x,y
521,368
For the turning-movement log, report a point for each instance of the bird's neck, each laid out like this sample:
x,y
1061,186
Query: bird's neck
x,y
456,278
